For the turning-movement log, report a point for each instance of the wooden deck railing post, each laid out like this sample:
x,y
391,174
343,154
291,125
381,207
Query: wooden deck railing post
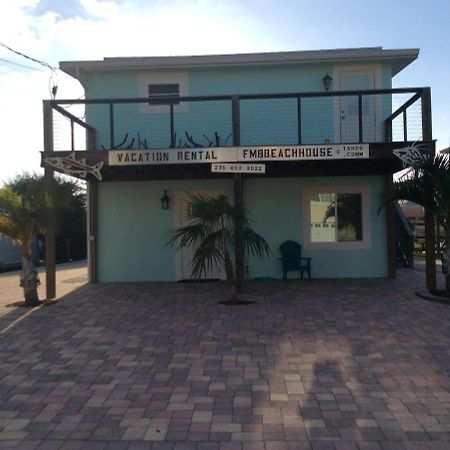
x,y
405,126
388,130
173,144
299,120
360,119
50,235
111,125
90,139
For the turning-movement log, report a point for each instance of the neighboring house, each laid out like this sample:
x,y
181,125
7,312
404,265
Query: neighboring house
x,y
10,253
415,215
316,128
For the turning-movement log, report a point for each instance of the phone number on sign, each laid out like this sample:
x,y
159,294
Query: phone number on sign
x,y
239,168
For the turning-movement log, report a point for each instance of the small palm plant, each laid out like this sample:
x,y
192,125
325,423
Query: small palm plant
x,y
428,185
211,231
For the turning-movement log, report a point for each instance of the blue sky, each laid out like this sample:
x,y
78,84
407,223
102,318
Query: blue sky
x,y
55,30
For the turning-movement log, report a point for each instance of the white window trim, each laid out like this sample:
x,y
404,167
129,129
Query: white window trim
x,y
176,77
365,244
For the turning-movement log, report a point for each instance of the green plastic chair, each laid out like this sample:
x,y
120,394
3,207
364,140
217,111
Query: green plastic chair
x,y
293,261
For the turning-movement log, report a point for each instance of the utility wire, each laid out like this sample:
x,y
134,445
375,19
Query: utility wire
x,y
20,65
42,63
32,59
52,82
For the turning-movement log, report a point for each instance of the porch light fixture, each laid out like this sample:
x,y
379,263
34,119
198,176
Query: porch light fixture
x,y
326,80
165,201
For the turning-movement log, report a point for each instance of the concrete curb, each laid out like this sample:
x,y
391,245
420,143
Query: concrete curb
x,y
426,295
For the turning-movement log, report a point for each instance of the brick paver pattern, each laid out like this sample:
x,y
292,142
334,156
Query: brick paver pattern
x,y
311,365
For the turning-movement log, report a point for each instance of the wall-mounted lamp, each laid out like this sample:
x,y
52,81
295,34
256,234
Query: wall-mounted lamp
x,y
165,201
326,80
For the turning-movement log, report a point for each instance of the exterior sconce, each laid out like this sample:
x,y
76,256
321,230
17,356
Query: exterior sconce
x,y
165,201
326,80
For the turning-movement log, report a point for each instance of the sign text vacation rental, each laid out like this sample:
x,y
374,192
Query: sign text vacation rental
x,y
237,154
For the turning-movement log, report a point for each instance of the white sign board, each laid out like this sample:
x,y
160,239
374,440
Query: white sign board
x,y
237,154
238,168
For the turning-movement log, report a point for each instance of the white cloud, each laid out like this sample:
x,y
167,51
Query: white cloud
x,y
112,29
104,9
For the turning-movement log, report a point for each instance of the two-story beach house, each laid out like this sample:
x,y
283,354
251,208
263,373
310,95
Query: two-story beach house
x,y
292,135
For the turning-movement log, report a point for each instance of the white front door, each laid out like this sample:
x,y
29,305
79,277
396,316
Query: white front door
x,y
355,80
185,254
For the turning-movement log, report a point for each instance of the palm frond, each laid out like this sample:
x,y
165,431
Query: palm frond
x,y
428,185
210,227
254,244
206,257
187,235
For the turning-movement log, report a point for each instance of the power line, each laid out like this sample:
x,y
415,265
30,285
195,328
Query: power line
x,y
45,64
20,65
42,63
52,82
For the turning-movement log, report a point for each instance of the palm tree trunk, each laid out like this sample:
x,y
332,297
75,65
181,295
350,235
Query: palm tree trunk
x,y
29,278
231,277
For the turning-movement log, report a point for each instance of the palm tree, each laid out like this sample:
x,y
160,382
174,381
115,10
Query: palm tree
x,y
25,211
428,184
211,230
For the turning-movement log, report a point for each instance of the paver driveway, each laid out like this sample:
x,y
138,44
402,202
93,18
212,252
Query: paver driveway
x,y
320,364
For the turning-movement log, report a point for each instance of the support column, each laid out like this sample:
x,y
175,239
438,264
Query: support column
x,y
91,216
390,223
238,198
92,230
430,236
50,235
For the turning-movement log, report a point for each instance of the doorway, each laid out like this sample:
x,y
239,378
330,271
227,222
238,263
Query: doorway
x,y
184,255
348,115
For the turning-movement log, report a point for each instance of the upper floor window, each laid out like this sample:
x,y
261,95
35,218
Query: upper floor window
x,y
158,86
159,93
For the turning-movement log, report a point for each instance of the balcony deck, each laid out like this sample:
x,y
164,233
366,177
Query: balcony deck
x,y
385,120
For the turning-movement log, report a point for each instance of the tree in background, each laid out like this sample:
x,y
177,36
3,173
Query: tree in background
x,y
27,210
70,212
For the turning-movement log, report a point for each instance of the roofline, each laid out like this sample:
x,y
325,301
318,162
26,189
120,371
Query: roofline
x,y
399,58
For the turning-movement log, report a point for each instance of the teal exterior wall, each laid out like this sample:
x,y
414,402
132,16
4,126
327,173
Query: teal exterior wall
x,y
133,230
263,122
276,207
